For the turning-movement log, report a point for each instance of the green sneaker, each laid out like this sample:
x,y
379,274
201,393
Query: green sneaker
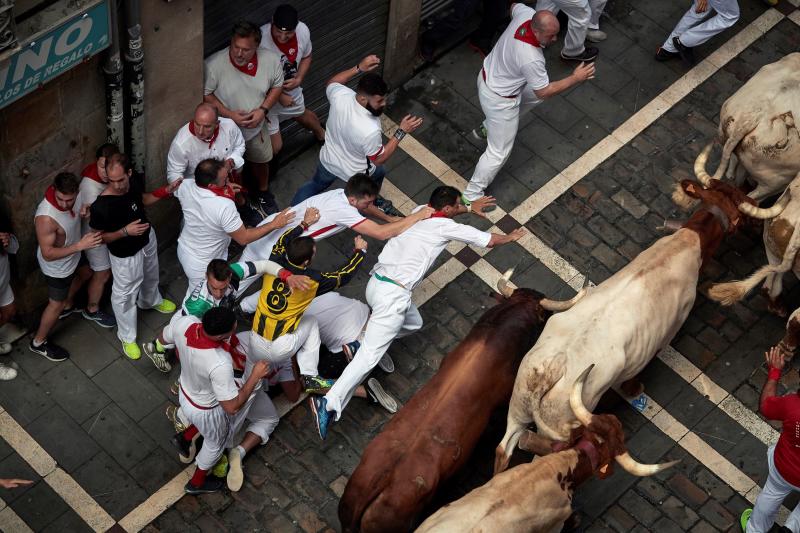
x,y
132,350
480,133
745,518
166,306
316,384
221,468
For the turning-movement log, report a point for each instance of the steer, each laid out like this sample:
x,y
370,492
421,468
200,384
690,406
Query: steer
x,y
781,242
537,497
758,131
620,325
432,436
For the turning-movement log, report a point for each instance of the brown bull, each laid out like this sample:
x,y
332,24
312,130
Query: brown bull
x,y
537,497
432,436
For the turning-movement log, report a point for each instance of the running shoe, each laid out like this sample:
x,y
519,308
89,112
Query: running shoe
x,y
211,484
322,417
665,55
686,52
101,318
172,415
175,387
131,350
595,36
589,54
220,469
387,207
480,133
350,349
5,347
316,384
745,518
66,312
7,373
166,306
235,476
50,350
377,394
158,357
187,450
386,364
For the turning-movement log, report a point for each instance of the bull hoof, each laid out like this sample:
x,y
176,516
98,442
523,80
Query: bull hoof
x,y
632,388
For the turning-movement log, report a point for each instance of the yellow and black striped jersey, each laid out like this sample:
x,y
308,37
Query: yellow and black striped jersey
x,y
279,310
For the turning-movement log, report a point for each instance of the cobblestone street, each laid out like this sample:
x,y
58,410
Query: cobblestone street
x,y
590,178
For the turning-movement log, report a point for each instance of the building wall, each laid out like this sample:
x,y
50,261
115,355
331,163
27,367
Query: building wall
x,y
54,129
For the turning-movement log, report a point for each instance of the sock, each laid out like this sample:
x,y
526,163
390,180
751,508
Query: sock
x,y
189,433
199,477
159,347
242,451
37,343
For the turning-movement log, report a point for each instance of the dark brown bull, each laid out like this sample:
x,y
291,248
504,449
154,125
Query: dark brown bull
x,y
432,436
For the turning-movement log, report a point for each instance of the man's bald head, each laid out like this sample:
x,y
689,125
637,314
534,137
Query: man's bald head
x,y
205,121
545,26
206,111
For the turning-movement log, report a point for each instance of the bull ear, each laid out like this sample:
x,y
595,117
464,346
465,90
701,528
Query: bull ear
x,y
690,188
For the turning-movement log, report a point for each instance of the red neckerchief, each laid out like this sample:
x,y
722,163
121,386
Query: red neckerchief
x,y
250,68
213,137
289,48
91,172
197,338
525,34
437,214
225,192
50,196
236,355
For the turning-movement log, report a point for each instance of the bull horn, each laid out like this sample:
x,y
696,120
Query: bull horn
x,y
562,305
576,398
700,165
670,225
502,284
765,213
632,466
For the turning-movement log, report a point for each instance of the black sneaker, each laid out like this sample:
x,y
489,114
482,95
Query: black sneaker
x,y
387,207
589,54
687,54
101,318
66,312
211,484
378,395
665,55
266,203
251,216
316,384
187,450
50,350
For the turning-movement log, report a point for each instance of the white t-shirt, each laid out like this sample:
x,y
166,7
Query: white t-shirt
x,y
207,221
206,370
406,258
238,90
186,150
303,50
340,319
352,135
70,222
88,191
335,214
513,64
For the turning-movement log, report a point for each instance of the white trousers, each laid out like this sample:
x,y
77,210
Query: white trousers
x,y
135,284
393,316
501,123
194,269
304,341
219,429
579,14
597,7
775,490
696,28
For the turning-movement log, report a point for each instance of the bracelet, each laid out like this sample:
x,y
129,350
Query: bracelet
x,y
161,192
125,230
305,225
358,70
774,374
284,274
265,109
399,134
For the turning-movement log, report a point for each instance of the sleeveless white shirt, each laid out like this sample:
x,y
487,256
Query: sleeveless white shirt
x,y
60,268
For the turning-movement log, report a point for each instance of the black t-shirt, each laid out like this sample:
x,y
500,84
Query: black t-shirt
x,y
112,213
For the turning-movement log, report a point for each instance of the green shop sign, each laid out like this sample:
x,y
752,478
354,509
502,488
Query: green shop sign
x,y
47,54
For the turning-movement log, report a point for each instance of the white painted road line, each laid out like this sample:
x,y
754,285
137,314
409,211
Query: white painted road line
x,y
10,522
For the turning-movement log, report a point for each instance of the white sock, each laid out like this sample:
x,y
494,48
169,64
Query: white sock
x,y
242,451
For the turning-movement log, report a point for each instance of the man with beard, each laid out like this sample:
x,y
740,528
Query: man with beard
x,y
353,142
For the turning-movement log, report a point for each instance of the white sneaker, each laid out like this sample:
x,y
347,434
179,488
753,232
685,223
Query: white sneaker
x,y
595,36
5,347
386,364
235,476
7,373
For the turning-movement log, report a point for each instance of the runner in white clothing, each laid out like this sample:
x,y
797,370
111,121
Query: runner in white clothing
x,y
8,245
210,220
291,40
206,136
401,266
211,399
697,26
514,79
338,209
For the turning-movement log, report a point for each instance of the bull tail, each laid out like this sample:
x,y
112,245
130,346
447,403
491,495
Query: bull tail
x,y
733,291
502,454
735,136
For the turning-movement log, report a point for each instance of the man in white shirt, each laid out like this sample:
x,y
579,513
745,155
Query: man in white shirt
x,y
210,220
244,82
206,136
353,141
211,400
514,79
339,209
401,266
290,39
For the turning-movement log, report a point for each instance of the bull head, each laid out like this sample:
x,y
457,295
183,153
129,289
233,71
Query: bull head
x,y
585,417
720,198
504,287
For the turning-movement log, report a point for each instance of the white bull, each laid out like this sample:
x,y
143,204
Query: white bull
x,y
758,132
620,325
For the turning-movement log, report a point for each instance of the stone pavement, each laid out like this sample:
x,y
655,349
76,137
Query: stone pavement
x,y
100,416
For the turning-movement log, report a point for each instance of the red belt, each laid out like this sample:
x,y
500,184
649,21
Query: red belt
x,y
483,73
194,404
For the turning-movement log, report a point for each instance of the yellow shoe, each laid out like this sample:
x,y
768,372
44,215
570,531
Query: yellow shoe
x,y
221,468
166,306
132,350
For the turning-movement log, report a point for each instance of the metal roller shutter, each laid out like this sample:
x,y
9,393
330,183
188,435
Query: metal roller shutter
x,y
431,8
342,32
